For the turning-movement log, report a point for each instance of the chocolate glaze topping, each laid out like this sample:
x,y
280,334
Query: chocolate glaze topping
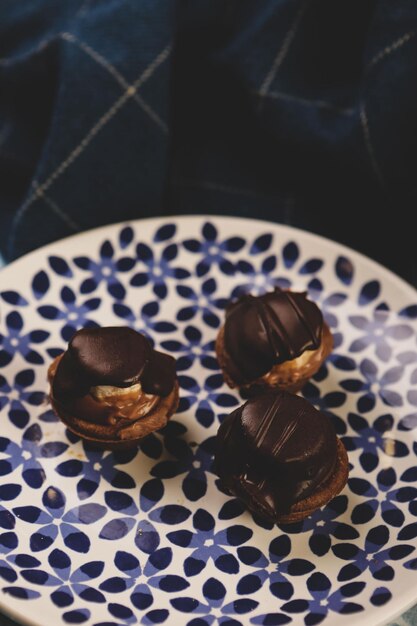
x,y
274,451
263,331
116,356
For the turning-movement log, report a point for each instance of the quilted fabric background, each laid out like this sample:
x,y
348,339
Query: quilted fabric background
x,y
299,111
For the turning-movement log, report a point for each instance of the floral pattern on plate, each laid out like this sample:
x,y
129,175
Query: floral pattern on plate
x,y
148,536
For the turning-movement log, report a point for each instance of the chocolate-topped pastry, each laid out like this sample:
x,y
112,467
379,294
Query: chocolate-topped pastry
x,y
281,456
111,387
277,340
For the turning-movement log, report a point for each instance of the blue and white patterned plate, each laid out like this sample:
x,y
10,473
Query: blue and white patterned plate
x,y
147,537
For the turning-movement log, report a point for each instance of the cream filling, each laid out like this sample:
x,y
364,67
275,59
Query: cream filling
x,y
289,368
104,393
129,402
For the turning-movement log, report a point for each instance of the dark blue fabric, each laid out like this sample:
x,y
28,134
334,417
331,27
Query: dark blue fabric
x,y
299,111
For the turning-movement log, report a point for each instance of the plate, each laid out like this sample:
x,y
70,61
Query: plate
x,y
147,537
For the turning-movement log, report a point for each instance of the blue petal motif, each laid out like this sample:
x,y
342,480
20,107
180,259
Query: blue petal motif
x,y
59,560
53,499
240,606
116,584
62,597
126,236
214,591
227,563
76,616
380,596
290,254
82,262
39,577
156,616
408,532
261,244
369,292
127,563
85,513
271,619
13,298
209,231
75,539
182,538
8,542
236,535
10,491
7,573
344,270
170,583
147,538
141,597
21,592
32,514
121,612
158,561
52,449
119,501
60,266
231,509
311,266
165,232
7,519
117,528
40,284
170,514
151,492
409,312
